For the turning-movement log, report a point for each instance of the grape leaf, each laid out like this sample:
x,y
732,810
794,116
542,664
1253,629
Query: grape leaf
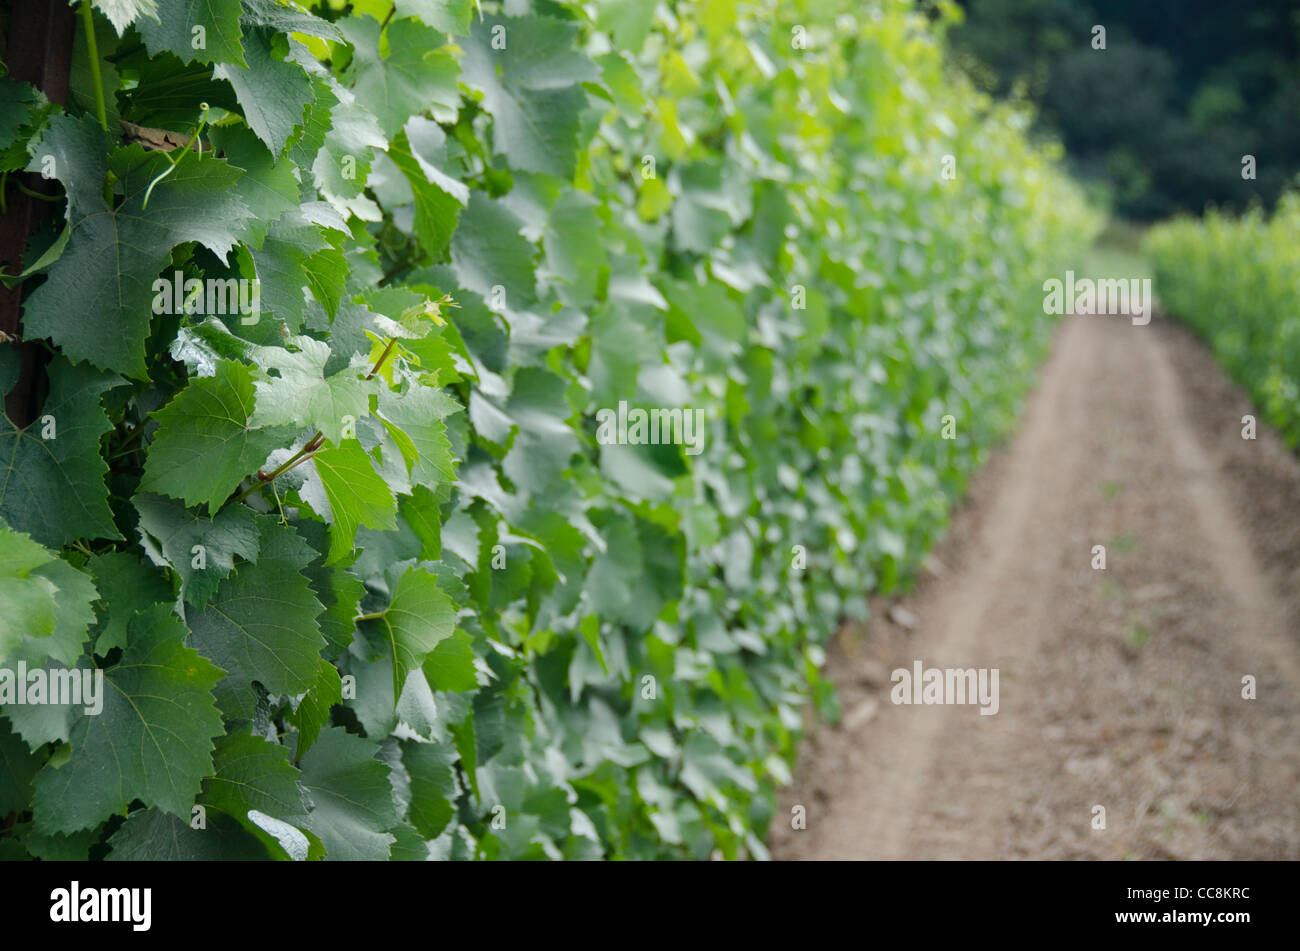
x,y
18,102
265,185
418,416
419,616
313,713
300,393
354,134
127,586
352,796
122,13
415,75
297,254
569,255
200,550
422,511
449,16
27,603
261,625
151,835
206,443
335,587
97,301
343,487
544,442
274,93
532,88
284,840
488,251
419,152
174,30
53,489
41,723
251,773
57,848
18,766
73,593
450,665
286,16
152,740
433,785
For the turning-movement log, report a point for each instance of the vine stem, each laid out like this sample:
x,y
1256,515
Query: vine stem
x,y
92,48
308,449
203,120
311,445
35,194
382,357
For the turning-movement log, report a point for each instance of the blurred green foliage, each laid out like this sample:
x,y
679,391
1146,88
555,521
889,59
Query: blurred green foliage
x,y
1237,282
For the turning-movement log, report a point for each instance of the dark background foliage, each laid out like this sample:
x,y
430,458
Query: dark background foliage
x,y
1164,115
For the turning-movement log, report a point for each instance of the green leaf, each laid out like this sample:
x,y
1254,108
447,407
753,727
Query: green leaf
x,y
73,151
433,785
353,797
419,616
200,550
27,601
418,414
203,345
570,254
313,713
73,593
415,75
18,766
353,135
41,723
409,845
335,587
127,586
206,443
298,254
261,625
253,774
269,187
450,665
273,93
532,88
449,16
344,488
419,152
283,839
152,740
300,394
122,13
286,16
422,511
489,251
18,104
53,488
217,22
96,303
150,835
58,848
544,442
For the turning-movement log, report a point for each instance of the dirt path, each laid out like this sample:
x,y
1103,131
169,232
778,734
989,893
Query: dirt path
x,y
1119,688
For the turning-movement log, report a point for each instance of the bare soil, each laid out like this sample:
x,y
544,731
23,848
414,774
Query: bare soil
x,y
1120,688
